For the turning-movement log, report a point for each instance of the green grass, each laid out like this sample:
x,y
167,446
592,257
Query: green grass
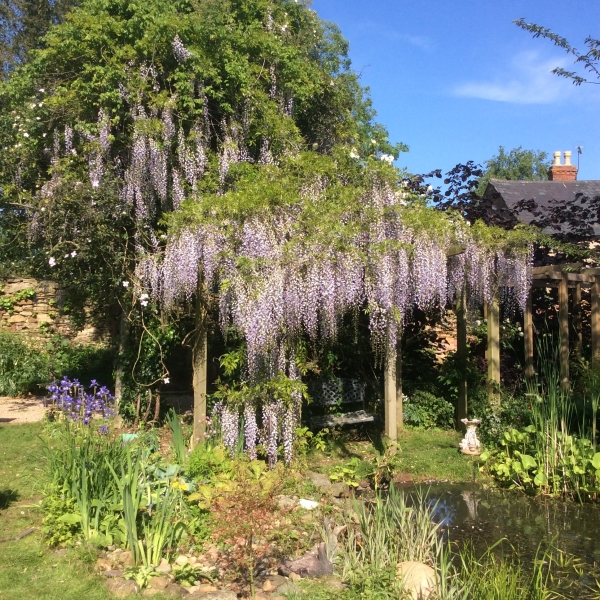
x,y
435,455
28,568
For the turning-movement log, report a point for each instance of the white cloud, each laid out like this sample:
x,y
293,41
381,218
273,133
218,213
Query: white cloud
x,y
527,80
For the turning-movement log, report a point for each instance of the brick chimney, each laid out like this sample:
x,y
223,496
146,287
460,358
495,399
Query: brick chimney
x,y
566,172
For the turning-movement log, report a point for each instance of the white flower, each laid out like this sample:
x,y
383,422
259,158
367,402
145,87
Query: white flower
x,y
373,141
95,183
52,261
38,118
25,134
125,284
74,254
332,83
354,153
429,189
73,152
44,134
41,90
32,106
66,256
166,380
41,104
388,158
478,322
144,302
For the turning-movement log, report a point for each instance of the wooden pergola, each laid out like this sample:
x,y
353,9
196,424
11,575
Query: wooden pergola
x,y
565,277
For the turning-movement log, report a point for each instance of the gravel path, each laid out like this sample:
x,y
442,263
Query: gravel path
x,y
21,410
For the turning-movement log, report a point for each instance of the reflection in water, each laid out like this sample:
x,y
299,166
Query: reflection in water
x,y
482,516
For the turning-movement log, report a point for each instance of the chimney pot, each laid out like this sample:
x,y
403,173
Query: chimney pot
x,y
566,172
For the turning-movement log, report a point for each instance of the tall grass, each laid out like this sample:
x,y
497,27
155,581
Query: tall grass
x,y
562,444
117,501
388,531
177,433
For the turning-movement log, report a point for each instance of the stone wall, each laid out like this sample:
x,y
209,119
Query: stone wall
x,y
42,313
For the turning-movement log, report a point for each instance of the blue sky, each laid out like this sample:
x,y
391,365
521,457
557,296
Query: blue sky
x,y
456,80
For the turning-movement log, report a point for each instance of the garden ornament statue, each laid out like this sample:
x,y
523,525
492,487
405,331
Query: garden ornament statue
x,y
470,444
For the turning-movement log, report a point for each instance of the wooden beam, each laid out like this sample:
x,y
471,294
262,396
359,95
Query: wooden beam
x,y
557,276
528,337
577,320
595,310
200,363
390,396
461,355
565,268
493,353
563,328
399,399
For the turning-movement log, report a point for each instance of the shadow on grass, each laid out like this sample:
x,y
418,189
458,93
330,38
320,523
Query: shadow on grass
x,y
7,497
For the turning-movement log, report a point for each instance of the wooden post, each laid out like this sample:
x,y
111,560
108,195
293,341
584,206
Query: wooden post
x,y
493,352
399,404
528,336
461,355
200,364
563,328
595,301
577,320
390,396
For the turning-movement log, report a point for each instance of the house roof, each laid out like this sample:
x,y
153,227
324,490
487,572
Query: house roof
x,y
556,205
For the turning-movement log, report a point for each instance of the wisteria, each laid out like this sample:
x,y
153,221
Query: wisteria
x,y
70,399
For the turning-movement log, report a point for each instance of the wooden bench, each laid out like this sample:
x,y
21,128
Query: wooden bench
x,y
340,392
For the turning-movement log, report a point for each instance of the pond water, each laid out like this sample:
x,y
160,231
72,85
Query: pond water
x,y
471,513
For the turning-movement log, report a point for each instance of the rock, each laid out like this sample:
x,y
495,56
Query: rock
x,y
286,502
175,590
312,564
192,560
164,566
308,504
104,564
204,588
159,583
295,577
220,595
181,560
121,588
418,579
319,480
113,573
339,490
273,582
126,558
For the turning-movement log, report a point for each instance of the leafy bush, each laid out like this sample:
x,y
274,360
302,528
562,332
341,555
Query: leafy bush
x,y
425,411
26,366
207,461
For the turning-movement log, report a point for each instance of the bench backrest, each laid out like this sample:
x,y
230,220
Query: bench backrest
x,y
329,392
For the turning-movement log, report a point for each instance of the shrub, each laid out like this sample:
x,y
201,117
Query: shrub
x,y
206,461
425,411
27,366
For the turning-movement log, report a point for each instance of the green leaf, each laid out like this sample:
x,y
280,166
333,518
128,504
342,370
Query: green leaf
x,y
70,518
528,462
596,461
540,479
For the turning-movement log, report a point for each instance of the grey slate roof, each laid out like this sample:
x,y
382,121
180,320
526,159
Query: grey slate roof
x,y
508,197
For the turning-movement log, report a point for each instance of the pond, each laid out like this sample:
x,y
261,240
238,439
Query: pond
x,y
482,516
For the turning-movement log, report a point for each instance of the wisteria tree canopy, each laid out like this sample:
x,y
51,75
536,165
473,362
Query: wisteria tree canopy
x,y
228,138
